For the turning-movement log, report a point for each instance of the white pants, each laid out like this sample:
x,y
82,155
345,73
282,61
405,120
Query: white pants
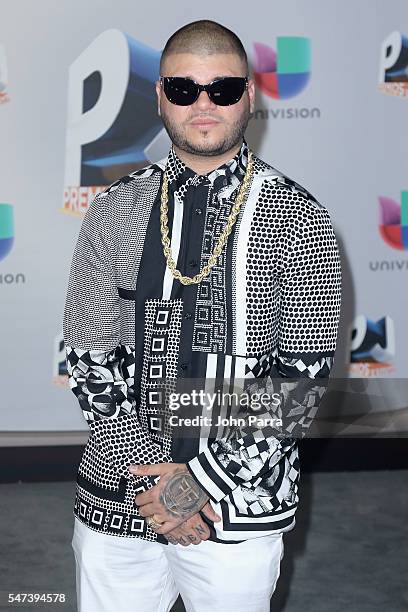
x,y
116,574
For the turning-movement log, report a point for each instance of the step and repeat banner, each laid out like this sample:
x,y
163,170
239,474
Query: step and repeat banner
x,y
78,110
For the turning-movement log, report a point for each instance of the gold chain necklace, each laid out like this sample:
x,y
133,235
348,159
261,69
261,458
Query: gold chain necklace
x,y
188,280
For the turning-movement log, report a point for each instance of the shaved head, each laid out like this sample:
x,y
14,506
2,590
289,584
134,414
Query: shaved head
x,y
203,38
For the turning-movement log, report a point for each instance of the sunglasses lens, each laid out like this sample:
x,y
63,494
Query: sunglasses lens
x,y
182,92
225,92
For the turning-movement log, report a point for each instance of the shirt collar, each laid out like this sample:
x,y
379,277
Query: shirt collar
x,y
229,173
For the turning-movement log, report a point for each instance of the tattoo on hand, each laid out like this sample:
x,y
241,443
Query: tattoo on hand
x,y
181,495
199,529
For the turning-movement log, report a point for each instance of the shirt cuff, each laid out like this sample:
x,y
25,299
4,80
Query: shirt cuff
x,y
210,475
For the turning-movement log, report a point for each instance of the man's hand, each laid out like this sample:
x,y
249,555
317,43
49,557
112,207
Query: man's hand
x,y
174,500
194,530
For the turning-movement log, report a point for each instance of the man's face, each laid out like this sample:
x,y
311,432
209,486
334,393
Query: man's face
x,y
228,123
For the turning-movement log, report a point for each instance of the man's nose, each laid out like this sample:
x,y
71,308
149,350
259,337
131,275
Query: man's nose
x,y
203,101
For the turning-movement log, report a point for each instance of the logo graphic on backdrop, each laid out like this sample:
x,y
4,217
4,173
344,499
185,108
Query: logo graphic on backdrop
x,y
393,77
6,229
112,123
4,97
6,244
393,224
372,346
283,74
59,368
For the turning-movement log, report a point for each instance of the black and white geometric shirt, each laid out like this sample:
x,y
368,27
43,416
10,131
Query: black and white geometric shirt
x,y
269,308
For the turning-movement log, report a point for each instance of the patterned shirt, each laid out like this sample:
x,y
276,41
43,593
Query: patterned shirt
x,y
268,310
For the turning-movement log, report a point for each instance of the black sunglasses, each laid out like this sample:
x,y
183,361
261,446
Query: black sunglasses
x,y
224,92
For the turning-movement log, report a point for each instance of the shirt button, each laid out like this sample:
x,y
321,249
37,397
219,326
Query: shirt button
x,y
184,366
198,211
193,263
188,315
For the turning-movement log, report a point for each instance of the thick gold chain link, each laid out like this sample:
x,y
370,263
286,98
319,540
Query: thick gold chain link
x,y
188,280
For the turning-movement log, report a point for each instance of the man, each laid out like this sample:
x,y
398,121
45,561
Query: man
x,y
209,264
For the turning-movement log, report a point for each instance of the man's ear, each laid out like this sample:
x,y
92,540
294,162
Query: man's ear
x,y
251,88
158,97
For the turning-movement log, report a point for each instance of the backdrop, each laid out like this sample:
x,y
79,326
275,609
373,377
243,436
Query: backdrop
x,y
78,110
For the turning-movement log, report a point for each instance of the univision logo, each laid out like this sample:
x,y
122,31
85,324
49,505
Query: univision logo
x,y
6,229
6,244
394,221
283,73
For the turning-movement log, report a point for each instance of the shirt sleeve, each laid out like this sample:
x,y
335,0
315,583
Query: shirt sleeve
x,y
310,296
101,369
